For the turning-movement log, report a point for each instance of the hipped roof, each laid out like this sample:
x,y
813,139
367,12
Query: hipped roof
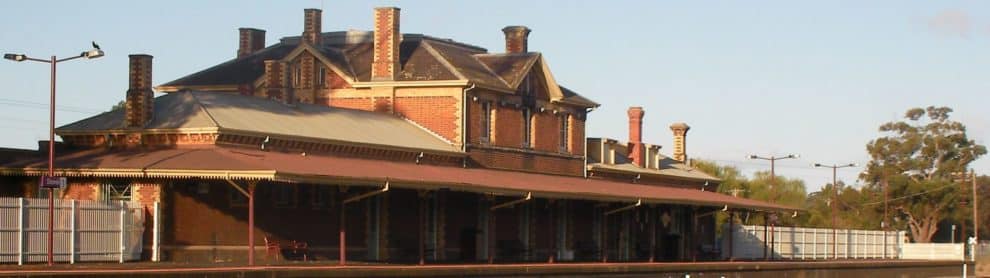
x,y
222,162
245,115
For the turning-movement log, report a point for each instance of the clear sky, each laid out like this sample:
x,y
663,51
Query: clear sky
x,y
760,77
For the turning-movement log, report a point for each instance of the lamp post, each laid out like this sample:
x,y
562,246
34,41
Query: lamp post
x,y
835,200
91,54
773,191
976,222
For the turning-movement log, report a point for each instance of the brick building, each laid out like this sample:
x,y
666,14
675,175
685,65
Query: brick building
x,y
384,146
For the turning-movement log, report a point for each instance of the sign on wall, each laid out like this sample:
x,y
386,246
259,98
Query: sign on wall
x,y
53,182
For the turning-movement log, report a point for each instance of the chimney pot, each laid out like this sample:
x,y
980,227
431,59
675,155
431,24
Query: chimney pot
x,y
680,141
251,40
636,148
312,26
516,39
385,63
138,104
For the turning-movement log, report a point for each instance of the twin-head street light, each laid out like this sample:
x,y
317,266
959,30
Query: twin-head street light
x,y
773,179
50,179
835,199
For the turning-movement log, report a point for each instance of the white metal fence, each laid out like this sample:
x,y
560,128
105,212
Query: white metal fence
x,y
934,251
83,231
799,243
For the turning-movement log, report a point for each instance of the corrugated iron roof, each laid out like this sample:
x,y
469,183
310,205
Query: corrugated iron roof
x,y
214,161
236,114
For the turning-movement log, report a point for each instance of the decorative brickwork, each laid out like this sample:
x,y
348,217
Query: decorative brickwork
x,y
387,37
680,141
138,104
251,40
312,26
276,79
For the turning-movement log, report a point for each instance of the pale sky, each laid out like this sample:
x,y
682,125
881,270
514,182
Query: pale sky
x,y
760,77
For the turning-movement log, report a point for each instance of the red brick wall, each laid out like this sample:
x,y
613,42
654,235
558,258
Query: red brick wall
x,y
511,160
84,189
546,130
577,135
507,123
366,104
438,114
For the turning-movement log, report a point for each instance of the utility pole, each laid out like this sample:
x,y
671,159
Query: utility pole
x,y
835,200
773,194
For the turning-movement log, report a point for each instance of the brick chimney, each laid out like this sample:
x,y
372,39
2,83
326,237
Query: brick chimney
x,y
276,80
139,106
680,141
516,39
312,26
636,152
251,41
385,66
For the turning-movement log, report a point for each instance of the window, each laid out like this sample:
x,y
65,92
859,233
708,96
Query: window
x,y
114,191
284,195
564,125
296,75
527,127
323,76
486,121
323,196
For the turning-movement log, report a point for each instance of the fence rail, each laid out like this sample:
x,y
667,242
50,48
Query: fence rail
x,y
82,231
797,243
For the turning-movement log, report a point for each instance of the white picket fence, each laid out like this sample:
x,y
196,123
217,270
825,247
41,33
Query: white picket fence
x,y
83,231
799,243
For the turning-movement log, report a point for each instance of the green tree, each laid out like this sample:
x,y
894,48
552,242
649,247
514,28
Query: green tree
x,y
790,192
119,105
915,159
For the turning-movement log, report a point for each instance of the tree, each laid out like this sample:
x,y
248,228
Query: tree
x,y
119,105
789,192
915,159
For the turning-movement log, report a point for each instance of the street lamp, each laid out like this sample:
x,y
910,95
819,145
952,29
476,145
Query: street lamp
x,y
773,192
835,200
962,177
91,54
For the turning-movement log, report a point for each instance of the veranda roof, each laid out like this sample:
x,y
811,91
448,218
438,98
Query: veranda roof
x,y
222,162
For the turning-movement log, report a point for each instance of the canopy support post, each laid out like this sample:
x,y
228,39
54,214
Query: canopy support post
x,y
249,193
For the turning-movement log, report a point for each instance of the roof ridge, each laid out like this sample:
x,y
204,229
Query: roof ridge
x,y
489,69
203,108
436,55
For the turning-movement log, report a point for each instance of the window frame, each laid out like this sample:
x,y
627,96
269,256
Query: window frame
x,y
329,200
564,141
486,122
322,79
527,140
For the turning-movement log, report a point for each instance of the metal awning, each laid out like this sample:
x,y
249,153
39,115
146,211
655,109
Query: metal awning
x,y
220,162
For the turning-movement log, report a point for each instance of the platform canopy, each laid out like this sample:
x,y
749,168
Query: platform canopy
x,y
236,163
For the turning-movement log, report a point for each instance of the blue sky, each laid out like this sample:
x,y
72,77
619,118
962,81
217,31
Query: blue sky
x,y
761,77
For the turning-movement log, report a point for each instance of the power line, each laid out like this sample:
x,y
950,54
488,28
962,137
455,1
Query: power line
x,y
30,104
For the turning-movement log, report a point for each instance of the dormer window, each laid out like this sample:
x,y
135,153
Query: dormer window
x,y
527,127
